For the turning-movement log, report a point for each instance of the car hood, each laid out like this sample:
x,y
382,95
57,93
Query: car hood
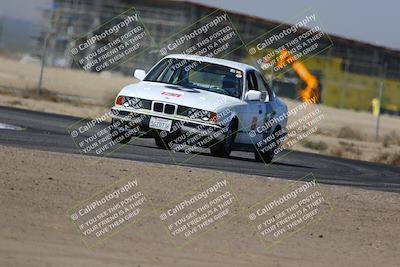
x,y
175,94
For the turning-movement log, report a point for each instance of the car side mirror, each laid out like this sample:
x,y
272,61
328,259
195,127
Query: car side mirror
x,y
253,95
139,74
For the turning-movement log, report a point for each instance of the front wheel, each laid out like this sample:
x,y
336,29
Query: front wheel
x,y
224,148
265,157
163,142
266,154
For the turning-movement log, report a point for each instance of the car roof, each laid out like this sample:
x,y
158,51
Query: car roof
x,y
218,61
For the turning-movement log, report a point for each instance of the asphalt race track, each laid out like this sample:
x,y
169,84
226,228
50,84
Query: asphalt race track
x,y
45,131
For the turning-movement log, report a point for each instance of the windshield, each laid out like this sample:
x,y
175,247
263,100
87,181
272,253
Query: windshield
x,y
198,75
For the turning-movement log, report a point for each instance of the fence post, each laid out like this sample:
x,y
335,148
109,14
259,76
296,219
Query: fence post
x,y
381,87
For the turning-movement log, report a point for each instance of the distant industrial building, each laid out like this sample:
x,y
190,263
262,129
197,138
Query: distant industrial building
x,y
349,71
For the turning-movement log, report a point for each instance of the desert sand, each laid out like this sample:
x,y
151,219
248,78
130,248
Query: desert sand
x,y
38,189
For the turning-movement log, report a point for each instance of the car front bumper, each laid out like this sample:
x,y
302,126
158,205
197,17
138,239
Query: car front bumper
x,y
180,125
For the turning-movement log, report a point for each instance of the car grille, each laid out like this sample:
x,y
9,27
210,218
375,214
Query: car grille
x,y
146,104
169,109
164,108
182,110
159,107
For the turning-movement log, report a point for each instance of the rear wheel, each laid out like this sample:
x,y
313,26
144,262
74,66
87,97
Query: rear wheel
x,y
224,148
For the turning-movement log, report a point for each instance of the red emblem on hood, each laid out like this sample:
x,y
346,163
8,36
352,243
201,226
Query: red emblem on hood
x,y
171,94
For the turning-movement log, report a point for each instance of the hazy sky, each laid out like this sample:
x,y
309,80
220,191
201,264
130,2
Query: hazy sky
x,y
371,21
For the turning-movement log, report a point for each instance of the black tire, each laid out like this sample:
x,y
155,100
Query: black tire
x,y
163,143
267,156
223,148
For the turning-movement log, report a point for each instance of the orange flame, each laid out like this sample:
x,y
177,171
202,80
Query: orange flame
x,y
312,90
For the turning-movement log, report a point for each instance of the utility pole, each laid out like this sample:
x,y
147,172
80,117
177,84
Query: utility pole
x,y
45,46
379,109
343,92
43,62
380,94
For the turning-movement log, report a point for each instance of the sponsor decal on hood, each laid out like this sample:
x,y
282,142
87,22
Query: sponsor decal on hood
x,y
172,93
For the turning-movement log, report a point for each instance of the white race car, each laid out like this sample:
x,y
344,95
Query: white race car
x,y
192,101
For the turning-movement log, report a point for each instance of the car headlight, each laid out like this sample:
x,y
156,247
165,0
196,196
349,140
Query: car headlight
x,y
128,101
134,102
206,115
193,113
200,114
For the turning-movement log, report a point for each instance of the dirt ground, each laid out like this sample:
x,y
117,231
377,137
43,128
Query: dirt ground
x,y
39,188
16,76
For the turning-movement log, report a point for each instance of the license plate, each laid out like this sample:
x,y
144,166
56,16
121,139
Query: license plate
x,y
160,124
